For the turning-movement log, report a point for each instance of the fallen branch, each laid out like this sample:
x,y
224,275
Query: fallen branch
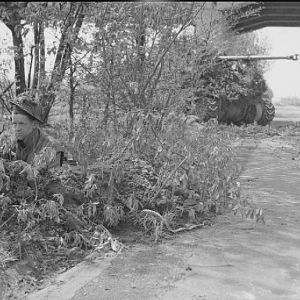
x,y
2,94
187,227
7,220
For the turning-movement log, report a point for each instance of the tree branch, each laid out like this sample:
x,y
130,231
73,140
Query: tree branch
x,y
185,24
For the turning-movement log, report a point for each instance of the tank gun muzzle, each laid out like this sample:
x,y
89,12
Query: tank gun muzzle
x,y
294,57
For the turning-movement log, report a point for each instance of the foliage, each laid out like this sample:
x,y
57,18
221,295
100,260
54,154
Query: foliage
x,y
206,77
234,80
67,207
166,190
140,160
132,58
23,17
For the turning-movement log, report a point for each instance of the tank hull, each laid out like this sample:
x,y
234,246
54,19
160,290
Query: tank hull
x,y
237,112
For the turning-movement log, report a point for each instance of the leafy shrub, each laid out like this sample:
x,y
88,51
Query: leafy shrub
x,y
176,171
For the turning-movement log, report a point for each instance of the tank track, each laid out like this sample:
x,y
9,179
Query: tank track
x,y
268,113
211,109
250,114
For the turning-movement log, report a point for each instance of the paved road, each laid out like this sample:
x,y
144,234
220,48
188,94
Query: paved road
x,y
234,259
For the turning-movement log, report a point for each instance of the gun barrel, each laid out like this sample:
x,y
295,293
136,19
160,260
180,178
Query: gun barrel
x,y
258,57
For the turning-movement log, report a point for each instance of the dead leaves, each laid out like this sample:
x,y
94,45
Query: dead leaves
x,y
102,239
30,171
44,159
6,142
250,212
158,221
4,179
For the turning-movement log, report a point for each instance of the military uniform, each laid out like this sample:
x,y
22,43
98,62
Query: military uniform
x,y
33,144
36,141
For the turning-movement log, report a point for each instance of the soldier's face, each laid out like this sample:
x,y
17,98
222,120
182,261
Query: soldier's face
x,y
23,125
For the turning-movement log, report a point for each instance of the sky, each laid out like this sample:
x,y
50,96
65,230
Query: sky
x,y
283,76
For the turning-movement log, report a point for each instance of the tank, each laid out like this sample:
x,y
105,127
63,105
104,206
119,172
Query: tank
x,y
232,105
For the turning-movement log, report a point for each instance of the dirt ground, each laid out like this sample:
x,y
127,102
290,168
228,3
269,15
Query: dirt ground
x,y
234,258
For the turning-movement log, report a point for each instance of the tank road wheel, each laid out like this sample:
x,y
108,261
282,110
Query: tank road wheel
x,y
212,109
250,114
268,113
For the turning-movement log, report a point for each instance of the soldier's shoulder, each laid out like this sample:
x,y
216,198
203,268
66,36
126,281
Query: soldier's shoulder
x,y
53,142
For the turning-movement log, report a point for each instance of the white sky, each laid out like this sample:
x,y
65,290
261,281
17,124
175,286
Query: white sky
x,y
283,76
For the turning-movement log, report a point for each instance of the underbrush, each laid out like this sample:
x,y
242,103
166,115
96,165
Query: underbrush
x,y
162,182
250,130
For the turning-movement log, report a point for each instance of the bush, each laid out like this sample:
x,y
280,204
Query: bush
x,y
176,171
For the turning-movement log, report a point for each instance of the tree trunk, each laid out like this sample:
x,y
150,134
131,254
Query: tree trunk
x,y
141,44
30,68
58,64
73,25
36,32
70,31
42,75
19,58
12,20
71,99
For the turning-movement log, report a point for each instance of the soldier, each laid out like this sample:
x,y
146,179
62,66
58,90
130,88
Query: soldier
x,y
27,116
